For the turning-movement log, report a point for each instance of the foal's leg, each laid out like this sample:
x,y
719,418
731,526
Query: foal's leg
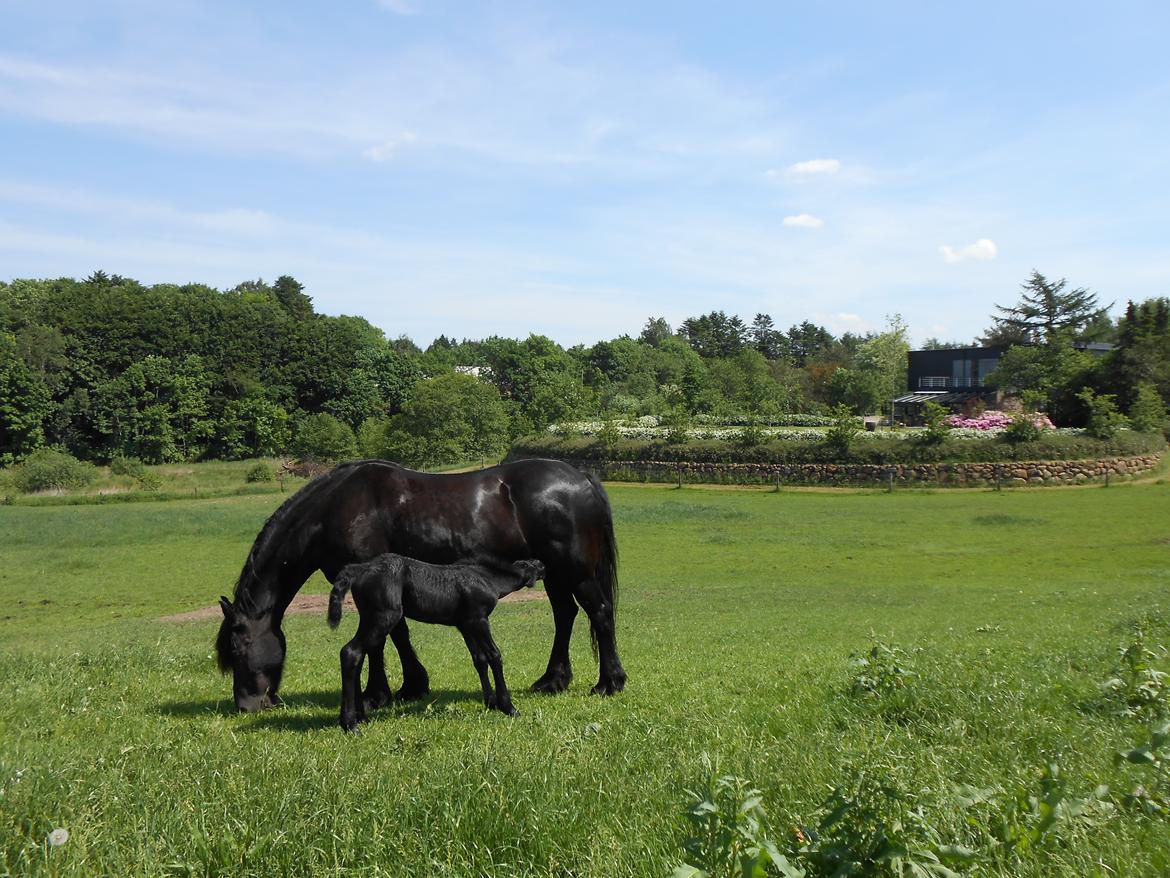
x,y
415,681
484,653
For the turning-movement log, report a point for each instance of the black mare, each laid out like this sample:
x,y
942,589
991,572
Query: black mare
x,y
542,509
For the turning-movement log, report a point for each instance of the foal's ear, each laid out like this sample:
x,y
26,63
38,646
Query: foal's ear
x,y
229,611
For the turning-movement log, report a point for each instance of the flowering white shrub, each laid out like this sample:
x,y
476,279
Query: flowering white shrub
x,y
647,429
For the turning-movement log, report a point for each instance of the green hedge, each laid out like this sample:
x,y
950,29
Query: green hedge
x,y
866,450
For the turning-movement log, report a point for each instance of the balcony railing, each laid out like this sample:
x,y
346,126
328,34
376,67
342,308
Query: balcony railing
x,y
941,383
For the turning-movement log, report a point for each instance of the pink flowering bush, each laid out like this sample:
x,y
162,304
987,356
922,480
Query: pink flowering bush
x,y
996,420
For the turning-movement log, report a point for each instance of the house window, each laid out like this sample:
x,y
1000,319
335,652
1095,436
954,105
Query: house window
x,y
961,373
986,367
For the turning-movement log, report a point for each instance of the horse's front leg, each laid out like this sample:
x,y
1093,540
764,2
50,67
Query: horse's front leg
x,y
559,673
415,681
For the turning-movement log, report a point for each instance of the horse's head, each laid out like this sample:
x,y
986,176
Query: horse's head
x,y
253,650
529,571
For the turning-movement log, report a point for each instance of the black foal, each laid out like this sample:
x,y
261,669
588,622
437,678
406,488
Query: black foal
x,y
462,595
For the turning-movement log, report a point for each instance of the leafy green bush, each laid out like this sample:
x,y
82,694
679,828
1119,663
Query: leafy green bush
x,y
259,472
866,449
1023,428
1105,420
937,429
750,436
844,429
128,466
1148,413
323,437
677,423
151,482
48,469
608,436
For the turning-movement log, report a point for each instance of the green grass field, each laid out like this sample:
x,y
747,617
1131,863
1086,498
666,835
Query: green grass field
x,y
738,616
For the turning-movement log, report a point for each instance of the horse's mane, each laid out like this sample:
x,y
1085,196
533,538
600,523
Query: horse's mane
x,y
243,596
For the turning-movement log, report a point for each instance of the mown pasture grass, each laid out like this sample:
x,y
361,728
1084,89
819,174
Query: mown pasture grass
x,y
738,617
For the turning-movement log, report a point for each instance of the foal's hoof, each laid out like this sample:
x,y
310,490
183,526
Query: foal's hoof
x,y
509,711
351,727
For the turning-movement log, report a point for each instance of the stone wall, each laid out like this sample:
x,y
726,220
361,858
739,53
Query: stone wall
x,y
1014,473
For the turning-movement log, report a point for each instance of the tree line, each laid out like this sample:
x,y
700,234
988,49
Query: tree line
x,y
107,367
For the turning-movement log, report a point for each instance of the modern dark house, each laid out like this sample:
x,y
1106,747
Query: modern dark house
x,y
951,377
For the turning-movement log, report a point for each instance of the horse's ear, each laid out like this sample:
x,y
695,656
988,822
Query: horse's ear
x,y
229,611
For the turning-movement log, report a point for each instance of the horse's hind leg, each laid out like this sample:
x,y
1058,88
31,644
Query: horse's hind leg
x,y
378,692
559,673
371,633
503,696
477,635
415,681
611,676
352,656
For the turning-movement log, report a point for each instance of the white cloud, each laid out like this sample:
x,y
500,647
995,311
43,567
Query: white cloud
x,y
813,166
387,149
803,221
983,250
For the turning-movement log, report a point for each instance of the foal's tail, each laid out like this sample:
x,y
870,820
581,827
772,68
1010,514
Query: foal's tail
x,y
340,589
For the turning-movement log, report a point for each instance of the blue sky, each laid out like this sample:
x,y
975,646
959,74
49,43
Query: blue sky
x,y
574,168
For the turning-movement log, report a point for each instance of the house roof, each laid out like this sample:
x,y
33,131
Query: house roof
x,y
940,396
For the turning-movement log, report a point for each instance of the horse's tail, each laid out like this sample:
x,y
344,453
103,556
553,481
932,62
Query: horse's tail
x,y
606,572
337,596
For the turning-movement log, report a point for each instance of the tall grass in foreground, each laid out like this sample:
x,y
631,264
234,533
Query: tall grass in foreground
x,y
742,618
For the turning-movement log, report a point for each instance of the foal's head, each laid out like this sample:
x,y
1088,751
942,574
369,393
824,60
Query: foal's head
x,y
529,571
253,650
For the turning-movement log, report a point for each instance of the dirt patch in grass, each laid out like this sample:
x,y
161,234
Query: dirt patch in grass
x,y
319,603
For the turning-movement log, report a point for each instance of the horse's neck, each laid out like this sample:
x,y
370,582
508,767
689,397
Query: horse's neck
x,y
272,591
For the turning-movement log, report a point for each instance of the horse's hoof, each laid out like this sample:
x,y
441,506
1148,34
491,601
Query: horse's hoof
x,y
553,682
413,693
376,701
609,687
350,726
509,711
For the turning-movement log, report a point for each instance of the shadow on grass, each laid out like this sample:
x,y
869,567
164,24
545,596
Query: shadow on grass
x,y
217,706
310,711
